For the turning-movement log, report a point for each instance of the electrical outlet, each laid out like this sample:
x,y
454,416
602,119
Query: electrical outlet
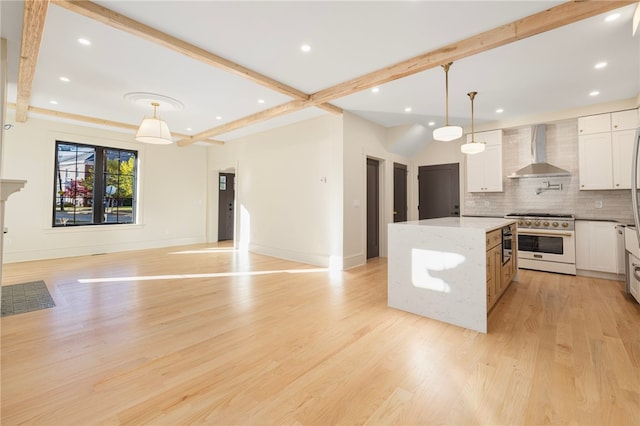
x,y
599,204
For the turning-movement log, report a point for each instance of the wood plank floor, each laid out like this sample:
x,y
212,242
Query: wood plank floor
x,y
203,334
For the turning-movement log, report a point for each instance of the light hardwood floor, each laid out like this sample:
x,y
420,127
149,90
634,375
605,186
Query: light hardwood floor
x,y
202,334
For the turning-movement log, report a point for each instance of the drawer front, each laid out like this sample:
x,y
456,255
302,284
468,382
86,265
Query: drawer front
x,y
494,238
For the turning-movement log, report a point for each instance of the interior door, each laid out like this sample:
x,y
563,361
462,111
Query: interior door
x,y
373,209
226,214
439,191
399,192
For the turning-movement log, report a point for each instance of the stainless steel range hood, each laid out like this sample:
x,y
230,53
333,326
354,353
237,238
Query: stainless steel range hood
x,y
539,167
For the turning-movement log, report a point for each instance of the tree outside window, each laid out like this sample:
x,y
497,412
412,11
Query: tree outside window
x,y
94,185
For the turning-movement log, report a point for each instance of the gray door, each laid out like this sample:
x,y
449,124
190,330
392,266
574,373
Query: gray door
x,y
226,195
399,192
373,209
439,191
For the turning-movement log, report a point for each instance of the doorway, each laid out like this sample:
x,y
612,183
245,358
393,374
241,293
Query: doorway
x,y
399,192
226,203
373,208
438,191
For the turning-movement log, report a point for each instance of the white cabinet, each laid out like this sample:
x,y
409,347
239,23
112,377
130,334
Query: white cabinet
x,y
595,162
622,155
625,120
484,170
596,246
594,124
605,145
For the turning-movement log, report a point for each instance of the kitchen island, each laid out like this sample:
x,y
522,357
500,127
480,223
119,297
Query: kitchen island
x,y
450,269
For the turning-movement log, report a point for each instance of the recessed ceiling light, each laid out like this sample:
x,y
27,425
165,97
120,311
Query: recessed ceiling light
x,y
432,123
600,65
260,101
189,129
218,118
65,79
305,48
407,109
499,110
612,17
53,102
84,42
375,89
594,93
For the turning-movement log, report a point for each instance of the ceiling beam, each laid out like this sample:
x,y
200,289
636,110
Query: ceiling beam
x,y
113,19
99,121
555,17
243,122
35,13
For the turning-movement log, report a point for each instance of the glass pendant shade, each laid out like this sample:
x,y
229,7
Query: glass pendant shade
x,y
447,133
153,130
472,147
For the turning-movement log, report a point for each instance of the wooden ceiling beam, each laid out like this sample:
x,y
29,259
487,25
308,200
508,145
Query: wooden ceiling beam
x,y
113,19
35,13
99,121
245,121
555,17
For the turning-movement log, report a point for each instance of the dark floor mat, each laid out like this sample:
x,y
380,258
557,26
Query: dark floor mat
x,y
27,297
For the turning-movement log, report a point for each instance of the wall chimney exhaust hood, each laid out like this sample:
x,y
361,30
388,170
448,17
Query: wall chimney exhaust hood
x,y
539,167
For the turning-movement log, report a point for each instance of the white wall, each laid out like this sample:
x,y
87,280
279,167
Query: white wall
x,y
172,194
364,139
284,207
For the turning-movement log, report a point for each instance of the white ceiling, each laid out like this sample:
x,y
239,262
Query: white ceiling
x,y
542,74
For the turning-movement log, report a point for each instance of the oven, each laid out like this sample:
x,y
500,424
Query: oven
x,y
507,238
546,242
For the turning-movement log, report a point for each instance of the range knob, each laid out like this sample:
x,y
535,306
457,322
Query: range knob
x,y
536,223
546,224
565,224
520,222
554,224
528,222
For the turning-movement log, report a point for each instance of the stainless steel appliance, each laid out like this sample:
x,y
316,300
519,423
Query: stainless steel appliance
x,y
507,237
546,242
632,244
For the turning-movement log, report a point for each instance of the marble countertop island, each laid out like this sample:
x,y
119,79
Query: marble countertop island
x,y
437,268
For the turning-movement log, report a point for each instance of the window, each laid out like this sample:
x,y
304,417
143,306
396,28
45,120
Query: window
x,y
94,185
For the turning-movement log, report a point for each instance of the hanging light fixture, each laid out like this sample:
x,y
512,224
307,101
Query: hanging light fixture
x,y
153,130
472,147
447,133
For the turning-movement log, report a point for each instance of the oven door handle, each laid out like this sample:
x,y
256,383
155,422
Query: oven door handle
x,y
546,234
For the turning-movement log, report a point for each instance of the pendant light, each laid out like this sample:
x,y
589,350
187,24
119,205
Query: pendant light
x,y
472,147
447,133
153,130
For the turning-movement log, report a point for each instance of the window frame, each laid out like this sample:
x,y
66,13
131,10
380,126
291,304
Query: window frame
x,y
100,178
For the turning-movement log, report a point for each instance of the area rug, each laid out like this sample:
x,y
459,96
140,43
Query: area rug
x,y
26,297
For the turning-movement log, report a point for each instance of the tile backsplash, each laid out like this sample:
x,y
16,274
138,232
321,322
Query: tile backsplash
x,y
520,195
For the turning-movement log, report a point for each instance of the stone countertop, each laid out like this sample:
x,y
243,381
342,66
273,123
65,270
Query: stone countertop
x,y
486,224
628,222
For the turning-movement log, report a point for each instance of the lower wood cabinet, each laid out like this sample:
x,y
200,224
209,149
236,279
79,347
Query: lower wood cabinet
x,y
499,275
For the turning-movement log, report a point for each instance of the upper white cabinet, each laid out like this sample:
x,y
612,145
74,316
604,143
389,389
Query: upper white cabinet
x,y
595,161
484,170
605,144
594,124
625,120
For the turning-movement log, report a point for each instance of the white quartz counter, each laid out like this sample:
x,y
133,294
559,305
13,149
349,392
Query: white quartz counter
x,y
486,224
437,268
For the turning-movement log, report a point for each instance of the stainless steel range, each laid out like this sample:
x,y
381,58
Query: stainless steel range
x,y
546,242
